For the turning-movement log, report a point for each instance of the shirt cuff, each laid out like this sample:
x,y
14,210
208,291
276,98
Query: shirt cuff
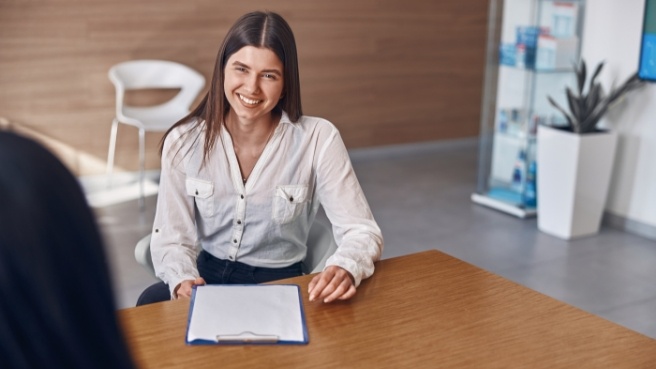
x,y
175,281
350,266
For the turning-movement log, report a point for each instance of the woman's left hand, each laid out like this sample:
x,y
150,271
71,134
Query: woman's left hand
x,y
333,283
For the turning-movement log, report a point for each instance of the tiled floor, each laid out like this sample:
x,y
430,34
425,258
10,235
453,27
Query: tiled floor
x,y
420,197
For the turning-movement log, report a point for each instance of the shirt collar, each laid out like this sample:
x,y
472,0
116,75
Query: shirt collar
x,y
284,118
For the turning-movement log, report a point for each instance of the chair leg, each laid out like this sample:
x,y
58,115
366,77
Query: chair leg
x,y
112,150
142,168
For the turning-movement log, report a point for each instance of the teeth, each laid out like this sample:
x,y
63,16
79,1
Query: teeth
x,y
248,101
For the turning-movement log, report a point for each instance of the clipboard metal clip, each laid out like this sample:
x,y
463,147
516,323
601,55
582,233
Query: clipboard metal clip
x,y
247,337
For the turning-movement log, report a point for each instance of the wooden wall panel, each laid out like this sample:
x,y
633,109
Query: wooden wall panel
x,y
384,71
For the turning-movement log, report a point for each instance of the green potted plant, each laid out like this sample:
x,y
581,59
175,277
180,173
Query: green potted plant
x,y
589,105
575,160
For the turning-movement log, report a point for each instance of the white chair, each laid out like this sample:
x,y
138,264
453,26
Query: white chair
x,y
320,246
150,74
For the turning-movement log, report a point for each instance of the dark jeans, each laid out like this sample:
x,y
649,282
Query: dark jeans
x,y
218,271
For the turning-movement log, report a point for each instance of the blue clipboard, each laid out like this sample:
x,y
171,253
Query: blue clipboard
x,y
246,314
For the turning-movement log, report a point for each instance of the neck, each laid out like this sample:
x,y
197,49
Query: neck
x,y
250,139
250,133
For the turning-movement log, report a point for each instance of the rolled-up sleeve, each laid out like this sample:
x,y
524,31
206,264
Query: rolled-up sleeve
x,y
173,242
358,237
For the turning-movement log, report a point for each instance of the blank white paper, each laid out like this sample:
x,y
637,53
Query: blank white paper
x,y
246,311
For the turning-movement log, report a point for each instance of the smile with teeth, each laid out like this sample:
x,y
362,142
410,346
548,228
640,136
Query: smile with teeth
x,y
248,101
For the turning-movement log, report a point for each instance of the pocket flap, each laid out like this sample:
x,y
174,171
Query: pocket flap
x,y
293,194
199,188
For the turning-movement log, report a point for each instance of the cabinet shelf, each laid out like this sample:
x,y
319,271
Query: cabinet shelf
x,y
540,71
532,45
519,135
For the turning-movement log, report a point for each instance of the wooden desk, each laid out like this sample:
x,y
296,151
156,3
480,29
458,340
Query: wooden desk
x,y
425,310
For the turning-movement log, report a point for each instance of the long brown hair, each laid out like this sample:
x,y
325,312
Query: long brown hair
x,y
259,29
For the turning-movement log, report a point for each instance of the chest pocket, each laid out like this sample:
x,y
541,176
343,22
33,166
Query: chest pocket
x,y
288,202
202,192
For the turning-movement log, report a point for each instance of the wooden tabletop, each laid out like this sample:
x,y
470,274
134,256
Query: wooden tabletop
x,y
424,310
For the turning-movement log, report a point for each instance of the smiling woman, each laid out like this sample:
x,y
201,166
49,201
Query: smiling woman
x,y
253,84
245,174
253,87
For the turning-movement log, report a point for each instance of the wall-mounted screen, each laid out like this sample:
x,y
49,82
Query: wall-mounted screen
x,y
647,68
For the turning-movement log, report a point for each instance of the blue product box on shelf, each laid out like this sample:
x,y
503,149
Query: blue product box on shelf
x,y
527,45
507,55
528,35
525,57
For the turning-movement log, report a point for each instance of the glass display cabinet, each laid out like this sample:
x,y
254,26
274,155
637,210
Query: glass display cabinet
x,y
531,50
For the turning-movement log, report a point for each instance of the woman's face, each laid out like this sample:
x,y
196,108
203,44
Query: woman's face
x,y
253,82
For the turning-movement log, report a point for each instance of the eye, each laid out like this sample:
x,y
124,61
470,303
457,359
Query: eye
x,y
240,69
269,76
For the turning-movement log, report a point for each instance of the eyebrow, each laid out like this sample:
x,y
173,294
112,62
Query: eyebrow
x,y
274,71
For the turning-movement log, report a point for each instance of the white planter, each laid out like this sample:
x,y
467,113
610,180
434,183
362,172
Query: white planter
x,y
573,178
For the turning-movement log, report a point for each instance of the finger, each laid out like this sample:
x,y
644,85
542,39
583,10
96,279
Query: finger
x,y
312,283
184,296
331,287
339,290
350,293
176,290
188,289
317,287
321,281
337,275
184,289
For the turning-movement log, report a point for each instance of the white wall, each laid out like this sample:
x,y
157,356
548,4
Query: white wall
x,y
612,33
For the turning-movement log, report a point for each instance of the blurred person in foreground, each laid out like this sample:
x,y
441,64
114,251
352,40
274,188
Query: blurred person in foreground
x,y
57,308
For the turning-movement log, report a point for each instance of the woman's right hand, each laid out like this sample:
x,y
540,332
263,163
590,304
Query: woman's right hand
x,y
185,287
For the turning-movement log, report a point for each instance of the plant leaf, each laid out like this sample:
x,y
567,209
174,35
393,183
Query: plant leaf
x,y
592,100
580,75
570,120
601,105
574,104
587,109
596,73
631,83
590,123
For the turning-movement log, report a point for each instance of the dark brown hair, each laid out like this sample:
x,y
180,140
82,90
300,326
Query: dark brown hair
x,y
56,297
259,29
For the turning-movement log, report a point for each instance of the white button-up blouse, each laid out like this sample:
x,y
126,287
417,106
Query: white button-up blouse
x,y
265,222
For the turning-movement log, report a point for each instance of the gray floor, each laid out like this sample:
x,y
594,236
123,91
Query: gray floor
x,y
420,198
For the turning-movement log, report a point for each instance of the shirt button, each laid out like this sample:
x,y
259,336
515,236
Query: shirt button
x,y
242,196
196,192
291,198
234,241
231,257
239,222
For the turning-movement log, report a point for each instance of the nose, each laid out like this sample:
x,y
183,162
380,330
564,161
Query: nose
x,y
251,84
